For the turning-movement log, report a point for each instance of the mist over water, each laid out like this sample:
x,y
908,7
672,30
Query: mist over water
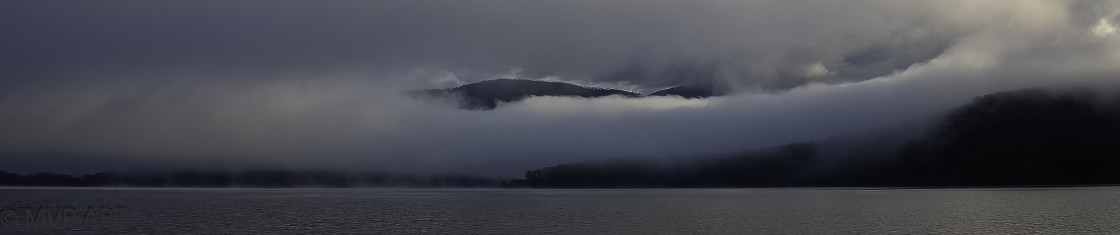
x,y
484,116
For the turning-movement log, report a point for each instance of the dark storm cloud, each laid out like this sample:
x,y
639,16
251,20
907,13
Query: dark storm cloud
x,y
317,84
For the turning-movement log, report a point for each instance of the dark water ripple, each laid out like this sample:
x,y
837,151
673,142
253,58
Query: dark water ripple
x,y
1092,210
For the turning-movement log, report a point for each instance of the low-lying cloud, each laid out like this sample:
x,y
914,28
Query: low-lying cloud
x,y
291,84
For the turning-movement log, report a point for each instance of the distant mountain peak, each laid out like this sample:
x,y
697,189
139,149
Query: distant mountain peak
x,y
488,94
694,90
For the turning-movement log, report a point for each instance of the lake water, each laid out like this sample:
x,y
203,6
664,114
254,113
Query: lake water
x,y
1091,210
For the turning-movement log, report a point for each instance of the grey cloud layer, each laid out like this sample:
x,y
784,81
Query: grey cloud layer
x,y
317,85
745,44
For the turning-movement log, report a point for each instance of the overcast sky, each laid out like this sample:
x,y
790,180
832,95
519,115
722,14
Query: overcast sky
x,y
106,85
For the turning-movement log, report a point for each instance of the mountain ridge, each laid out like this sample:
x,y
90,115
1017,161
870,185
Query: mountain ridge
x,y
489,94
689,91
1016,138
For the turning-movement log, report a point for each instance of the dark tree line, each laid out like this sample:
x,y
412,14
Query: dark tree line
x,y
1029,137
250,178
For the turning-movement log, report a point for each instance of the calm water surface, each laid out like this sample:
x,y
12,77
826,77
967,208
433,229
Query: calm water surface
x,y
1092,210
